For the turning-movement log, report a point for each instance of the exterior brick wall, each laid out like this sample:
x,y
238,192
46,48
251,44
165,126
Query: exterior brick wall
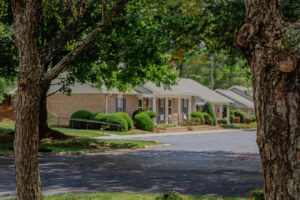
x,y
60,105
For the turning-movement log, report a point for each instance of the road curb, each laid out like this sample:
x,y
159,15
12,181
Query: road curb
x,y
91,152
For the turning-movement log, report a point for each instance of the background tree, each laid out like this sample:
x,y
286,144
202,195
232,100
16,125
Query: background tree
x,y
272,48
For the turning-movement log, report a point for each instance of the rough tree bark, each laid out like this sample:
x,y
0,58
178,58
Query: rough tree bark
x,y
33,79
25,28
272,48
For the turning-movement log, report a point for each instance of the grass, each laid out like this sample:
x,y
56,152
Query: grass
x,y
251,125
126,196
81,141
124,133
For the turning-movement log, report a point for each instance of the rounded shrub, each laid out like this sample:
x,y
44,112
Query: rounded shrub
x,y
253,118
150,113
199,116
127,118
96,117
247,120
137,112
236,120
144,122
207,119
80,114
231,114
208,108
115,119
241,114
222,121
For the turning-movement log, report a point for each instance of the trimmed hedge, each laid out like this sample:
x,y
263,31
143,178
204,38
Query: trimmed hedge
x,y
127,118
253,118
247,120
150,113
80,114
198,115
96,117
116,119
236,120
241,114
207,119
231,114
144,122
137,112
208,108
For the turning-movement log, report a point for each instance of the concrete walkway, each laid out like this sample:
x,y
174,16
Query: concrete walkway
x,y
151,135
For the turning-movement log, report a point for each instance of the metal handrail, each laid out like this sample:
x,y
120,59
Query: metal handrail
x,y
89,121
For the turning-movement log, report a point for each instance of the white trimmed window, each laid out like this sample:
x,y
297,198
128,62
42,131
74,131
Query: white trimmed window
x,y
140,104
120,105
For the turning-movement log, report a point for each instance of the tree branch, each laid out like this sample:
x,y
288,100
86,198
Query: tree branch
x,y
54,72
57,44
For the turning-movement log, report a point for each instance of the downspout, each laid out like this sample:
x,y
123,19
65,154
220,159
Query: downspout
x,y
106,104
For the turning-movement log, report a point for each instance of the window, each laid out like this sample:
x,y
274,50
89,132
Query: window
x,y
185,108
120,105
149,103
161,109
140,104
170,107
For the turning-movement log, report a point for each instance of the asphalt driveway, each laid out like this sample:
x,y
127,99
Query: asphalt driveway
x,y
212,163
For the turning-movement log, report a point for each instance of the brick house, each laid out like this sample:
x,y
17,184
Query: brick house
x,y
172,105
241,97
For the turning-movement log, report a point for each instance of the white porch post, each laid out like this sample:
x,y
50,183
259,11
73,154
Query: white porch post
x,y
228,117
179,110
189,108
166,110
154,108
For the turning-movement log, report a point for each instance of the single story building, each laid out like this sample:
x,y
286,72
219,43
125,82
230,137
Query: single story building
x,y
239,101
172,105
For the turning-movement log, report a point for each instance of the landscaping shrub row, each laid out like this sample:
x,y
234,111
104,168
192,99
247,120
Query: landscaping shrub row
x,y
122,119
205,118
143,119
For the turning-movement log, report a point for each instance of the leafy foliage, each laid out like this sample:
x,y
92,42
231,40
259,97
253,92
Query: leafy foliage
x,y
198,115
80,114
241,114
208,108
128,119
144,122
116,119
172,195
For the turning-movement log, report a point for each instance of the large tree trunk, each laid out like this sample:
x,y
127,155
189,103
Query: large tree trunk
x,y
276,83
27,100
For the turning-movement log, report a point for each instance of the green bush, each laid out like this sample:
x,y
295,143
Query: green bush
x,y
198,115
144,122
236,120
151,113
229,126
172,195
208,108
241,114
253,118
257,194
96,117
207,119
115,119
80,114
128,119
192,122
137,112
247,120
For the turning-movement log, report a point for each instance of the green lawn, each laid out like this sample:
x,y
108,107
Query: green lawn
x,y
126,196
251,125
81,141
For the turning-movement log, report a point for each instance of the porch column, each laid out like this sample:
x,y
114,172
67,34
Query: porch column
x,y
166,110
179,110
189,108
154,108
228,117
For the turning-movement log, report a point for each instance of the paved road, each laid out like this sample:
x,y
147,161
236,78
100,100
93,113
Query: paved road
x,y
212,163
